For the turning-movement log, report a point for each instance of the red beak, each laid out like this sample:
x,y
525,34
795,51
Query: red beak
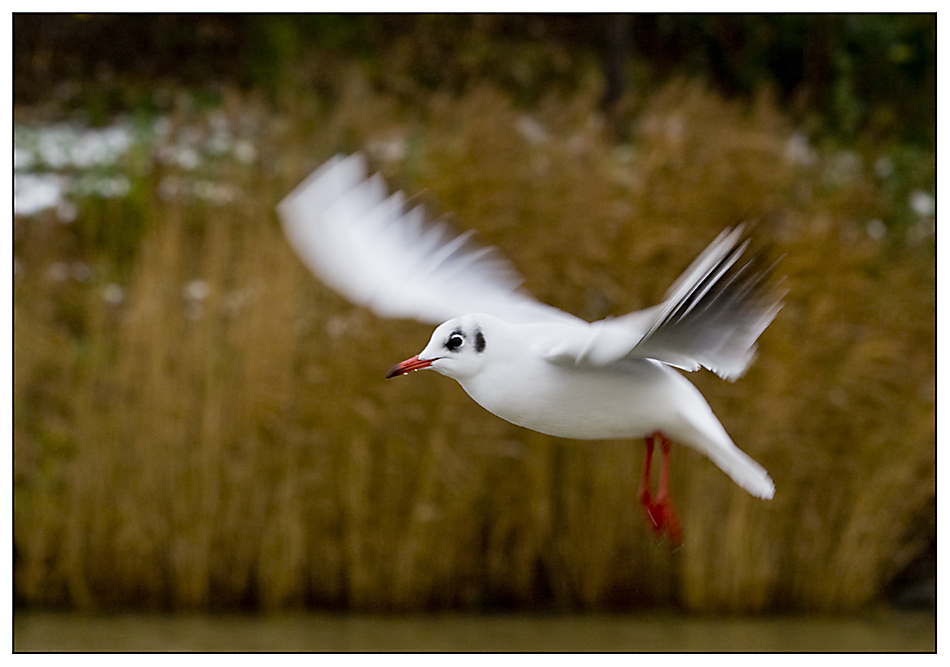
x,y
409,365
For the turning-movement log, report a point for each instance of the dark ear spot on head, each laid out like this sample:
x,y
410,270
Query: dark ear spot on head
x,y
479,341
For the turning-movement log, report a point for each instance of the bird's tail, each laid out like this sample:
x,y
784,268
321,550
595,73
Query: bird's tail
x,y
743,470
699,428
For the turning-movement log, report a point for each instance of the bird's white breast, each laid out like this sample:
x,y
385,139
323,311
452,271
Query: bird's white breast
x,y
584,403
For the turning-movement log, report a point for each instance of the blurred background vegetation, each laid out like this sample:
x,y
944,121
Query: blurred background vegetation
x,y
200,424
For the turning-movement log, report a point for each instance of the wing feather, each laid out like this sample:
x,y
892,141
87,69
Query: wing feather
x,y
711,317
363,243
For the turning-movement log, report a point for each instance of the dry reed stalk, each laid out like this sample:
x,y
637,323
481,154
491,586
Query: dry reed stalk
x,y
232,442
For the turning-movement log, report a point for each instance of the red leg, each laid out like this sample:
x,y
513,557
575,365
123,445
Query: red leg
x,y
663,499
660,509
656,519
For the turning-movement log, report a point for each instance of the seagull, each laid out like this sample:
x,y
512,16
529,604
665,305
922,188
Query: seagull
x,y
530,363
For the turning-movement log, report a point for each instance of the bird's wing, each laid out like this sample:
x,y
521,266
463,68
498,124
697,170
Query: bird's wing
x,y
711,317
374,251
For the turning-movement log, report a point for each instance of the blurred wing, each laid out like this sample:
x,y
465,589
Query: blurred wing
x,y
369,248
711,317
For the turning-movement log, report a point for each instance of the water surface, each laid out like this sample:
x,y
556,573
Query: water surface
x,y
879,630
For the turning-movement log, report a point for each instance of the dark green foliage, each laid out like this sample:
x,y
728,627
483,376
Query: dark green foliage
x,y
847,72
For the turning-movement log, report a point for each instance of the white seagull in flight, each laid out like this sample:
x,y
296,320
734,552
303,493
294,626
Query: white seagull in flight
x,y
532,364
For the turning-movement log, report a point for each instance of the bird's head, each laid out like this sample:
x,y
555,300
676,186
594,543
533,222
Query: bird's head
x,y
457,349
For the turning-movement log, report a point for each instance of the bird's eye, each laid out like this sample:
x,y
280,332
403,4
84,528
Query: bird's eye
x,y
455,342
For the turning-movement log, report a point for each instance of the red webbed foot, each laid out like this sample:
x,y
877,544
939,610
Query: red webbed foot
x,y
659,510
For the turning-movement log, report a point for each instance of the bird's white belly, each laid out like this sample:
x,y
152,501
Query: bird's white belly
x,y
583,404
